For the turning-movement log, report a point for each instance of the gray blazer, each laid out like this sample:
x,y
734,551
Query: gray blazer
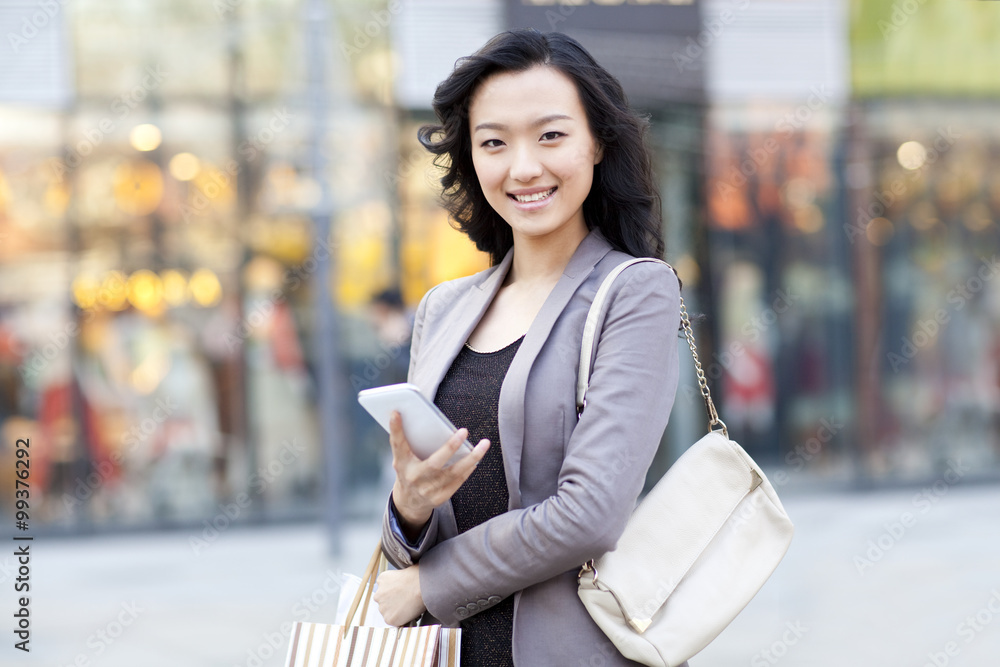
x,y
572,484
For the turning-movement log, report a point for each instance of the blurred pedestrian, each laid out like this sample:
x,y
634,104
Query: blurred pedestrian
x,y
547,171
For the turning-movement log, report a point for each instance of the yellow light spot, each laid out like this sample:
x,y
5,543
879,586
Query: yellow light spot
x,y
145,137
138,187
977,217
112,293
879,231
808,219
688,270
911,155
205,288
145,290
175,287
148,375
184,166
85,289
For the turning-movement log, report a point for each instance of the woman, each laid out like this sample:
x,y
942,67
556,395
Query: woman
x,y
546,170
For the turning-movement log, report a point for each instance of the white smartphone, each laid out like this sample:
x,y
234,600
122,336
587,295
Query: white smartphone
x,y
426,428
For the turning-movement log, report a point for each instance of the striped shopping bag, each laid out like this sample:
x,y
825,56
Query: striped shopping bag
x,y
348,645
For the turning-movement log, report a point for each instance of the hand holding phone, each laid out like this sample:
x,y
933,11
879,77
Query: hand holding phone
x,y
425,427
421,484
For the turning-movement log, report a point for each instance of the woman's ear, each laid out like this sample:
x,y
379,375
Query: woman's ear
x,y
599,153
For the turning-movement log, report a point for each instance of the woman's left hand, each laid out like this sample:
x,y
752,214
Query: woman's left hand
x,y
398,595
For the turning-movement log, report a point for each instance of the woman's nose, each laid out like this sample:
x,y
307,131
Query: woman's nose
x,y
525,165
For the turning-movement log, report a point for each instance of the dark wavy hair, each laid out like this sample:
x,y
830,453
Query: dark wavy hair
x,y
623,201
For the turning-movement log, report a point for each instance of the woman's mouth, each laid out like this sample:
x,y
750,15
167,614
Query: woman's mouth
x,y
534,199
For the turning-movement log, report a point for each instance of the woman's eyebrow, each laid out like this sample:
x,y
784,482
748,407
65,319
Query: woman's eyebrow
x,y
541,121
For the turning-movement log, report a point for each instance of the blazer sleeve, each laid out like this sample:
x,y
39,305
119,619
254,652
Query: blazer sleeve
x,y
632,389
398,550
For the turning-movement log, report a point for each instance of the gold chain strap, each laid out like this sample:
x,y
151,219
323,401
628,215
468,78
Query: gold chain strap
x,y
713,416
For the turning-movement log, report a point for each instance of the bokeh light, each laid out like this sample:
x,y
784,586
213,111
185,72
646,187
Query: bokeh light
x,y
112,293
145,291
879,231
184,166
145,137
205,288
175,288
138,187
911,155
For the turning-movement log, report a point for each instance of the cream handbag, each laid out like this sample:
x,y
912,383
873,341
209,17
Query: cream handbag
x,y
696,549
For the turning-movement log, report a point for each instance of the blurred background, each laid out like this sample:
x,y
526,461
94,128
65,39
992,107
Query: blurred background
x,y
216,222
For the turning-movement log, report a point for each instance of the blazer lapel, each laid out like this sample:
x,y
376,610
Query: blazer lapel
x,y
511,413
440,351
463,317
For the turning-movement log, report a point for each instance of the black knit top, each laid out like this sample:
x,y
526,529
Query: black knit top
x,y
469,395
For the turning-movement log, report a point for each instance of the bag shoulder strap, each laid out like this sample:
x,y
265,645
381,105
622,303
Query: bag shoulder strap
x,y
590,332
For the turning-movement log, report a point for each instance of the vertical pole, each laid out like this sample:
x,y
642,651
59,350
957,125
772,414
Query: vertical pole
x,y
244,432
316,26
868,305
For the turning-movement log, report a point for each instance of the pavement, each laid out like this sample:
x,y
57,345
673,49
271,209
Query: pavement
x,y
907,577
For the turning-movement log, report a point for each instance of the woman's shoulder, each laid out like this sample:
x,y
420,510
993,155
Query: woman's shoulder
x,y
650,274
445,293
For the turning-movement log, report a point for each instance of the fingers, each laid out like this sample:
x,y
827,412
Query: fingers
x,y
463,467
440,457
397,439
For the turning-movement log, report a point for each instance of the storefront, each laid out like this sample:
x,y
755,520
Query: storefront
x,y
924,205
157,255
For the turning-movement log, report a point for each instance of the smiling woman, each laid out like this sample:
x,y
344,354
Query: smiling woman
x,y
533,151
546,170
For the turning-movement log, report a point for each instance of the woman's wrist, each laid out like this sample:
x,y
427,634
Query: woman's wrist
x,y
411,521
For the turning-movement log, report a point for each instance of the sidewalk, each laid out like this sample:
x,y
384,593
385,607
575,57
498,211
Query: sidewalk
x,y
883,579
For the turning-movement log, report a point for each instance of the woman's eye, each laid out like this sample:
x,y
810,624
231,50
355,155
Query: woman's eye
x,y
492,143
549,136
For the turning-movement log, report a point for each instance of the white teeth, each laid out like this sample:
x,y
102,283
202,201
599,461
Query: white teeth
x,y
524,199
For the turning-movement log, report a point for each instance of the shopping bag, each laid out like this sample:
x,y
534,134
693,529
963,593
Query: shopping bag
x,y
371,643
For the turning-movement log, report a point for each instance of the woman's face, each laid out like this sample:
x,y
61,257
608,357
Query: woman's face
x,y
533,150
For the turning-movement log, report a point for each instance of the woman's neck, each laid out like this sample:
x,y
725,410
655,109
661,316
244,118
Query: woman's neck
x,y
541,260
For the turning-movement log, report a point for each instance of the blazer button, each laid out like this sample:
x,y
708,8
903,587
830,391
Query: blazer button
x,y
494,599
483,604
472,607
462,612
